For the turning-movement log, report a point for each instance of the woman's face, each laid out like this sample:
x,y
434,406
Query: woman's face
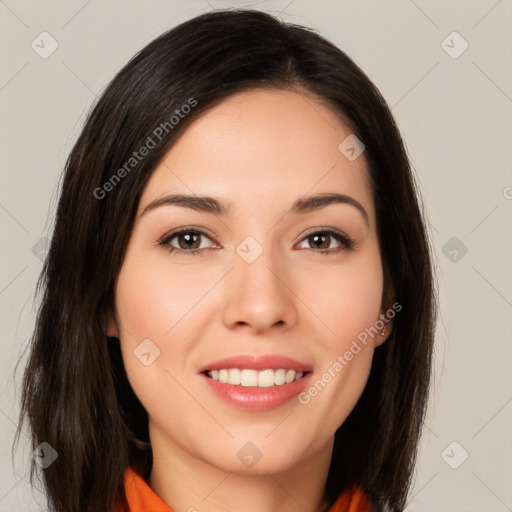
x,y
263,300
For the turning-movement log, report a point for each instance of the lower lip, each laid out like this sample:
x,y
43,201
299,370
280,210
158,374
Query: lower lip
x,y
252,398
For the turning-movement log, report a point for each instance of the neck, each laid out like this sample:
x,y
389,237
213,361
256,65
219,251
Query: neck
x,y
190,484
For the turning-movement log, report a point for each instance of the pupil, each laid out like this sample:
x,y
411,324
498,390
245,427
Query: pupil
x,y
189,238
316,237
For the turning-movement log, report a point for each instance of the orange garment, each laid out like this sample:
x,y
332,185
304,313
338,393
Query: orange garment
x,y
141,498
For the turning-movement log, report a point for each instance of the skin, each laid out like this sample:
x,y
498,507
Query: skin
x,y
260,150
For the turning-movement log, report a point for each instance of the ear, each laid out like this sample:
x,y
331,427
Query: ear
x,y
112,327
384,333
386,316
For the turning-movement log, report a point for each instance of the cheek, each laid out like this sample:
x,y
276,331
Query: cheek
x,y
152,296
151,300
160,300
346,300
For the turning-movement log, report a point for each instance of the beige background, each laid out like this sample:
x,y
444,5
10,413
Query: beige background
x,y
455,115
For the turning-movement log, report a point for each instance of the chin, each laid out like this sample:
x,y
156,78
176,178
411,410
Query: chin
x,y
258,456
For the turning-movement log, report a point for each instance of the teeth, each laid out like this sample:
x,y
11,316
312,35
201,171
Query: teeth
x,y
261,379
248,377
279,377
234,377
290,375
266,379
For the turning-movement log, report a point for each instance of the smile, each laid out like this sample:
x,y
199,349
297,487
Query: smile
x,y
256,382
261,379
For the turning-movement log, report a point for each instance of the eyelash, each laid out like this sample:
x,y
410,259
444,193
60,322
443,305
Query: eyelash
x,y
347,242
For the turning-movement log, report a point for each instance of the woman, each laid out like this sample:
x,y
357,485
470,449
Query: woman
x,y
276,370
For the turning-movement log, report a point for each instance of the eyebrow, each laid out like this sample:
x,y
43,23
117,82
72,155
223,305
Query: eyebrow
x,y
212,205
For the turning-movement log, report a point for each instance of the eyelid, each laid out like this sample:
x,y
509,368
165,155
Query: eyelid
x,y
185,229
324,229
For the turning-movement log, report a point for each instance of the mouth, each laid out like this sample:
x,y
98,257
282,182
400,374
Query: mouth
x,y
253,390
256,382
247,377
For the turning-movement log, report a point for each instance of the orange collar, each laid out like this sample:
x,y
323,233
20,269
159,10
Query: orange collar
x,y
142,498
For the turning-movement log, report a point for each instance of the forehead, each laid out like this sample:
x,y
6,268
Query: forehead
x,y
275,145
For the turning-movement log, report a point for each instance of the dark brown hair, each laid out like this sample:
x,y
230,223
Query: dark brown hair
x,y
75,393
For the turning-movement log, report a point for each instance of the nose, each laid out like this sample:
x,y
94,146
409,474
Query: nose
x,y
259,295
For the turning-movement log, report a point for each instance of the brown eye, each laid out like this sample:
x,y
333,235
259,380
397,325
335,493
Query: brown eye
x,y
322,240
188,241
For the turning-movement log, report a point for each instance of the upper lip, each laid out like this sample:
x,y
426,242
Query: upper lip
x,y
257,362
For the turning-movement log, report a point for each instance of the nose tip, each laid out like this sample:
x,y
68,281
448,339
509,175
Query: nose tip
x,y
257,297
